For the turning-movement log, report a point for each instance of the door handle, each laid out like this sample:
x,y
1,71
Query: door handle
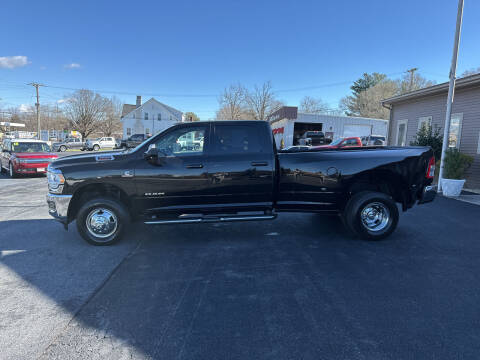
x,y
259,163
194,166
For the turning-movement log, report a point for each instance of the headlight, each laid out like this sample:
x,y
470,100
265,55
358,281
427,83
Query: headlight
x,y
55,180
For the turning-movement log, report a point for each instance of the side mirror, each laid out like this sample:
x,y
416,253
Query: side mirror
x,y
154,156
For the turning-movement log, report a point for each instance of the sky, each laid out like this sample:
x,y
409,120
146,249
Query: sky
x,y
184,53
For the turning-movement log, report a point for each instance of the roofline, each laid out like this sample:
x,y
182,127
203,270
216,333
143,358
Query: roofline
x,y
435,89
169,108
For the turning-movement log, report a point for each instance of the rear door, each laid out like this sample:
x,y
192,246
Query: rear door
x,y
242,166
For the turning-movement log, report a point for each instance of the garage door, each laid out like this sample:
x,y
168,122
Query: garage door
x,y
356,130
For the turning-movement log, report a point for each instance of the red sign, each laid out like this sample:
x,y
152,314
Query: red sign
x,y
277,131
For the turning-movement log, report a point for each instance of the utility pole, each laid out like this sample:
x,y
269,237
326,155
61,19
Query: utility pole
x,y
451,90
37,105
411,71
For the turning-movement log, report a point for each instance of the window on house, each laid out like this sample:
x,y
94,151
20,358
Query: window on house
x,y
129,131
134,115
402,132
424,121
455,132
159,116
146,116
147,131
170,117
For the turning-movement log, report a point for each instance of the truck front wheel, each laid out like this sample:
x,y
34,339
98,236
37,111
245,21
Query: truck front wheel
x,y
102,221
371,215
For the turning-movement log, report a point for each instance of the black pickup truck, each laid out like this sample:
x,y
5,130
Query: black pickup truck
x,y
235,174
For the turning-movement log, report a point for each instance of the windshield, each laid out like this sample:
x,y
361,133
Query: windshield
x,y
30,147
336,142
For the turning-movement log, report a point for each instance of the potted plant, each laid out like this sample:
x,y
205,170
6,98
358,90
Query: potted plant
x,y
454,168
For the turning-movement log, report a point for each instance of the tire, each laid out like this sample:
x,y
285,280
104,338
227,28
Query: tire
x,y
96,147
62,148
380,215
103,209
11,171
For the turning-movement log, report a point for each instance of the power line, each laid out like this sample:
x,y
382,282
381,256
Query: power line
x,y
314,87
37,105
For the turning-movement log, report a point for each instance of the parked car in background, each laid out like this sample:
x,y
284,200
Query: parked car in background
x,y
120,144
67,144
341,143
374,140
25,156
312,138
135,139
100,143
296,148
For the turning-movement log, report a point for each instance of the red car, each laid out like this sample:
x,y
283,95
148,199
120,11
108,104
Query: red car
x,y
25,156
342,142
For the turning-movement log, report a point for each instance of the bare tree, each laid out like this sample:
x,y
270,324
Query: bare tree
x,y
110,123
232,102
310,105
85,109
369,101
471,72
408,83
261,102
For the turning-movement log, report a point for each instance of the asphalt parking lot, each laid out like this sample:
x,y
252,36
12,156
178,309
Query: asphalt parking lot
x,y
295,288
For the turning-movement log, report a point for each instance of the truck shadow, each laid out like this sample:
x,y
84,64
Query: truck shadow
x,y
58,267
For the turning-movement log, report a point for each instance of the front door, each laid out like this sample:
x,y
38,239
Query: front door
x,y
241,168
179,183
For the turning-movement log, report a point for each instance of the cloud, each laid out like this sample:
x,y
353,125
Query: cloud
x,y
72,66
11,62
61,101
24,108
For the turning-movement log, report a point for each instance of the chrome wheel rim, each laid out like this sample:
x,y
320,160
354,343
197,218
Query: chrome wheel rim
x,y
101,223
375,216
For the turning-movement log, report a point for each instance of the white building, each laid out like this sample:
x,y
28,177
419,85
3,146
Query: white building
x,y
288,125
150,117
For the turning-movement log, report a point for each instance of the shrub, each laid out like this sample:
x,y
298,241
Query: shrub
x,y
426,136
456,164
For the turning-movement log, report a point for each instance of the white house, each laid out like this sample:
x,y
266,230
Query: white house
x,y
150,117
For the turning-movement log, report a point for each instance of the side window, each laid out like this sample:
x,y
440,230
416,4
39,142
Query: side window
x,y
236,139
455,131
425,121
183,141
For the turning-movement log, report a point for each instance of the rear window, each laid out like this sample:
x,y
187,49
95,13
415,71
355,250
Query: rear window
x,y
233,139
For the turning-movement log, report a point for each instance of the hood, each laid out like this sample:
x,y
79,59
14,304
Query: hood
x,y
35,155
98,157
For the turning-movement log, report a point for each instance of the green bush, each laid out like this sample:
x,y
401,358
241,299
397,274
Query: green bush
x,y
426,136
456,164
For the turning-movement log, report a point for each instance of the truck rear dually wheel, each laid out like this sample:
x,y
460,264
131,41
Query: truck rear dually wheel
x,y
102,221
371,215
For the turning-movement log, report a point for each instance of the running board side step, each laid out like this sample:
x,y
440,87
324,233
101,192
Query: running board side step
x,y
212,219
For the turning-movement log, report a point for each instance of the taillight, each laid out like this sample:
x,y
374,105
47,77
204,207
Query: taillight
x,y
431,168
